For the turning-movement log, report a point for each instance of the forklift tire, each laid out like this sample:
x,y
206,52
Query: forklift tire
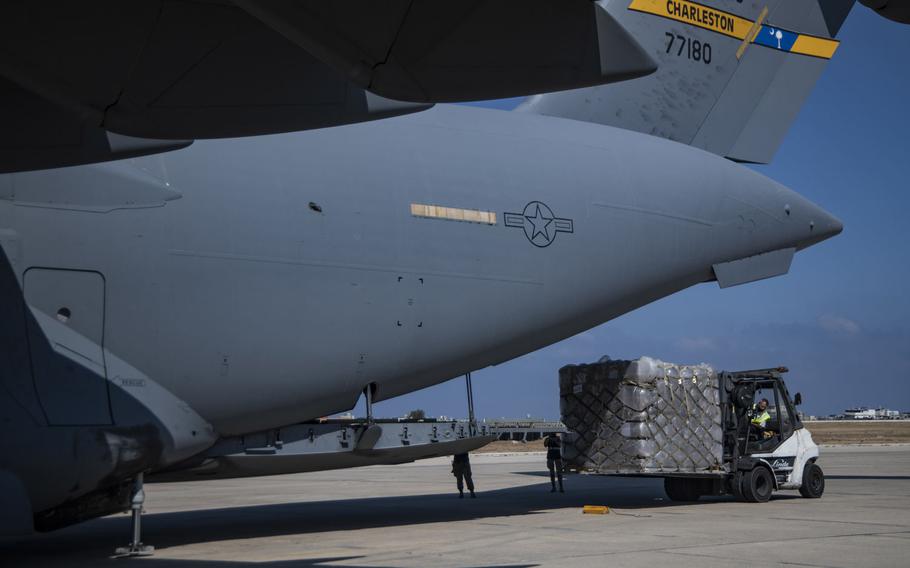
x,y
681,489
736,486
813,481
757,485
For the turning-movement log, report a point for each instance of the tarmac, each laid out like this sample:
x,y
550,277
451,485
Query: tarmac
x,y
409,515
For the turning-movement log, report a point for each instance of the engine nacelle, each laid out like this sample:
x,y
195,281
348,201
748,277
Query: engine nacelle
x,y
891,9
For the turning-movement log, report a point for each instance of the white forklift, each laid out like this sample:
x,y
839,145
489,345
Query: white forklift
x,y
705,432
760,457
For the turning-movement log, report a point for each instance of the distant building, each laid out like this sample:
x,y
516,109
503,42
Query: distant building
x,y
863,413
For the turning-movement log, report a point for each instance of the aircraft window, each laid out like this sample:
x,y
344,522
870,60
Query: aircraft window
x,y
453,213
64,314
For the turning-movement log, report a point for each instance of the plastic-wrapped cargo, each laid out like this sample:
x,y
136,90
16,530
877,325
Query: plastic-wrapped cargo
x,y
642,416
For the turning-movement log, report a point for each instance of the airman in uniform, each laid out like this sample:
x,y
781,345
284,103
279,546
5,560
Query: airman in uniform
x,y
554,460
461,469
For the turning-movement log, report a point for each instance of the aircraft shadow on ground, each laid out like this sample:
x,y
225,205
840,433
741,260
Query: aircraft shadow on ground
x,y
302,563
876,477
96,539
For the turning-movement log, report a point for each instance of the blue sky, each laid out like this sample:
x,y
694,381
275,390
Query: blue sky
x,y
840,320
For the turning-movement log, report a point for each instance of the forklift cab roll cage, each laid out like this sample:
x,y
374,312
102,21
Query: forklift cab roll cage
x,y
737,394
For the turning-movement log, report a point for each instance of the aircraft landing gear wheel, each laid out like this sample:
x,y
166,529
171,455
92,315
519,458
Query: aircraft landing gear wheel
x,y
813,481
681,489
757,485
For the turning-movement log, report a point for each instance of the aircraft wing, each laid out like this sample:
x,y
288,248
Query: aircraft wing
x,y
175,69
153,70
459,50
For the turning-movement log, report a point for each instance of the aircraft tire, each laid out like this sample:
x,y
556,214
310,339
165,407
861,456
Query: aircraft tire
x,y
757,485
813,481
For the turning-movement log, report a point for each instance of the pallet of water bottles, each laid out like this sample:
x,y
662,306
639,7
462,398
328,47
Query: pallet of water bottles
x,y
641,416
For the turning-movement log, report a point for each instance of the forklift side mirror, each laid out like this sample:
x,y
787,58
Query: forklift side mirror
x,y
798,399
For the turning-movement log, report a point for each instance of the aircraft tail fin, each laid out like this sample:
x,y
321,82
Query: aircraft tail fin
x,y
732,75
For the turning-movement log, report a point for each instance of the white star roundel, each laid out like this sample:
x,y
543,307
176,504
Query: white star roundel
x,y
539,223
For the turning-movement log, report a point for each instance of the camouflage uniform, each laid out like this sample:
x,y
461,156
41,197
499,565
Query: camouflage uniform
x,y
554,461
461,469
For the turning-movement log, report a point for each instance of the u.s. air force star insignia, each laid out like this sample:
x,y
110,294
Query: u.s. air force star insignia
x,y
539,223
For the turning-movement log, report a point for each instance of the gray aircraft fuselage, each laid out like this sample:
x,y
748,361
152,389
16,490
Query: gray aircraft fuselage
x,y
239,285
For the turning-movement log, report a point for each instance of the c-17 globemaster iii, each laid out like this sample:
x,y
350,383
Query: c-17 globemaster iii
x,y
155,306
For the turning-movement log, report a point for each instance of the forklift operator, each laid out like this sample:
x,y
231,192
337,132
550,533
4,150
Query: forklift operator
x,y
760,418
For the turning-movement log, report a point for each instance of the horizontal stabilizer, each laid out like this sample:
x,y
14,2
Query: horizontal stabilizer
x,y
758,267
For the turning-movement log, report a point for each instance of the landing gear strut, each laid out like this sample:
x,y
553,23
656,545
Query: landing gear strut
x,y
472,422
136,548
368,392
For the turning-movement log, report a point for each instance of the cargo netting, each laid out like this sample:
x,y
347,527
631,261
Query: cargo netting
x,y
641,416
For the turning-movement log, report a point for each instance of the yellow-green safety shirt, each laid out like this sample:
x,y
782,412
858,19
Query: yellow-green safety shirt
x,y
760,419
